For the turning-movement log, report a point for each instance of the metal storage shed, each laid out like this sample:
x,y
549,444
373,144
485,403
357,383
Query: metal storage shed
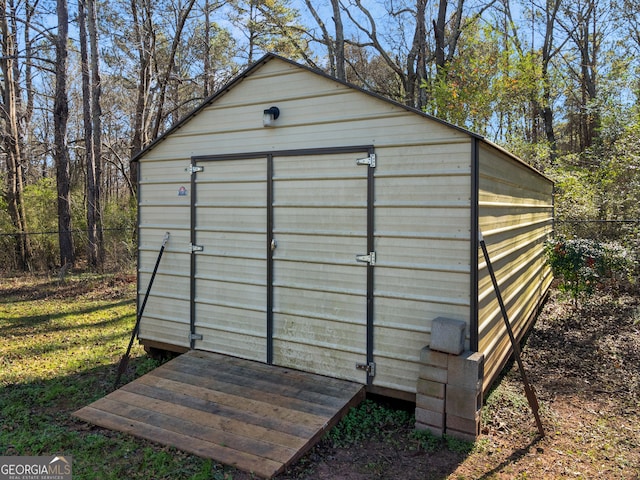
x,y
328,236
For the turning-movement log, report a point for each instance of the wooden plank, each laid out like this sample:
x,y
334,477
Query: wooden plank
x,y
213,421
224,405
317,389
332,422
236,383
223,454
164,419
252,416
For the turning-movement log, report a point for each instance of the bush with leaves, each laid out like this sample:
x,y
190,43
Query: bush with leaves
x,y
582,265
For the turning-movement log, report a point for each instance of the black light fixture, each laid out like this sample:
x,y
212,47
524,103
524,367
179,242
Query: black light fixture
x,y
269,116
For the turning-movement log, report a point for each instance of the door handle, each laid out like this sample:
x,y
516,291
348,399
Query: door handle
x,y
274,244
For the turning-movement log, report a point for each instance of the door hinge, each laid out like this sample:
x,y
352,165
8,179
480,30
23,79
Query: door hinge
x,y
196,248
370,368
370,258
370,160
195,336
194,169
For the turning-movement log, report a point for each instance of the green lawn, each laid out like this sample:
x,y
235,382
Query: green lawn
x,y
60,350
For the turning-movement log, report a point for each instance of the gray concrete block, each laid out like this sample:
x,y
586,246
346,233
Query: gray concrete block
x,y
429,417
430,403
448,335
465,425
430,388
466,369
434,374
463,402
433,358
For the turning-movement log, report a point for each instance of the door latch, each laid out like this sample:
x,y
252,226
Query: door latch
x,y
370,368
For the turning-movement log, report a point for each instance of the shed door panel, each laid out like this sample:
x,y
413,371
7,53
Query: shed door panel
x,y
230,274
319,290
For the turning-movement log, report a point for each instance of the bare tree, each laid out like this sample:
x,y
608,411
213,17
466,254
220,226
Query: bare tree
x,y
426,56
141,11
12,135
92,129
183,14
584,24
61,117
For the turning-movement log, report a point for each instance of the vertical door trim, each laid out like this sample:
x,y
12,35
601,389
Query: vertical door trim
x,y
192,276
370,273
270,239
474,244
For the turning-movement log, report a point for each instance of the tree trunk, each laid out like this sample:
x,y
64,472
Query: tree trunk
x,y
439,33
339,41
96,89
183,14
90,181
416,60
145,42
92,126
548,52
60,117
13,154
207,49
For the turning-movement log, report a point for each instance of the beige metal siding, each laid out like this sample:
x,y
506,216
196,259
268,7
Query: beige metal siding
x,y
230,276
515,218
422,222
161,209
422,232
319,226
314,112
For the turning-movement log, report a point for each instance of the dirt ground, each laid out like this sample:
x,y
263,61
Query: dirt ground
x,y
585,366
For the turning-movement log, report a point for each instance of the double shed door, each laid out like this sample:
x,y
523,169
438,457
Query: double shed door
x,y
280,263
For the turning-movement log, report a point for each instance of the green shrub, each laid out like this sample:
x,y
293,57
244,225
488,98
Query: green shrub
x,y
582,266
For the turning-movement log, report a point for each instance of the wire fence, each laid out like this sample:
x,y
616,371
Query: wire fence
x,y
119,249
624,231
120,244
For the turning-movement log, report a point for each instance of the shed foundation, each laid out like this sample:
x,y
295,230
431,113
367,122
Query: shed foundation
x,y
449,393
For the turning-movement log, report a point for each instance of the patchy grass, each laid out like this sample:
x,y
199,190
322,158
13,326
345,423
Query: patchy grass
x,y
60,350
62,343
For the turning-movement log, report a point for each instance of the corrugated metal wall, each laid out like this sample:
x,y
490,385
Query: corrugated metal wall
x,y
162,209
422,226
515,218
319,289
231,271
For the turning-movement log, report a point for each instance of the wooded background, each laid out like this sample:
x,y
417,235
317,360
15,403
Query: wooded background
x,y
87,85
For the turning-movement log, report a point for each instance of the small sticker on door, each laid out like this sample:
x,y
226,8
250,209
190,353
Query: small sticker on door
x,y
182,191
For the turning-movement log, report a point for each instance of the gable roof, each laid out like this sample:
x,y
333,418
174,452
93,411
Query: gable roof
x,y
267,58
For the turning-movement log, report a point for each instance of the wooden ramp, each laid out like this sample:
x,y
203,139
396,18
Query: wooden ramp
x,y
255,417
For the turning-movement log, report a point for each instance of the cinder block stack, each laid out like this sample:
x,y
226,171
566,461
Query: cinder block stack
x,y
449,390
431,391
463,404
